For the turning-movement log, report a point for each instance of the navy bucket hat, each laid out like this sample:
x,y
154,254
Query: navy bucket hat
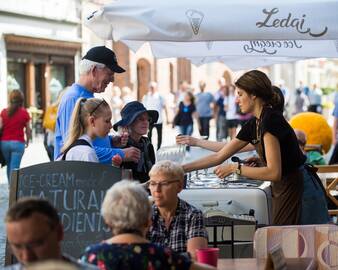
x,y
131,111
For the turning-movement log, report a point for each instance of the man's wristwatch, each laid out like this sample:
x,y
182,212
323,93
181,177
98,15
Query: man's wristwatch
x,y
238,170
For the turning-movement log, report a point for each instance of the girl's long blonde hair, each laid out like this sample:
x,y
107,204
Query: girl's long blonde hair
x,y
84,108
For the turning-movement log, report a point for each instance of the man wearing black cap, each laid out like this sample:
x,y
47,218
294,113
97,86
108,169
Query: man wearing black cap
x,y
97,69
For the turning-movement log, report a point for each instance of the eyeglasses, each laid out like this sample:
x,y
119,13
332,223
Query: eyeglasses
x,y
164,184
97,106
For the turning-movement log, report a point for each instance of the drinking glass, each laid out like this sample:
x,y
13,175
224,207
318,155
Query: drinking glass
x,y
127,174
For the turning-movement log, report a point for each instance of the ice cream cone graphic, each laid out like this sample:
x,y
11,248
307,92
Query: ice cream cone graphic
x,y
209,45
195,19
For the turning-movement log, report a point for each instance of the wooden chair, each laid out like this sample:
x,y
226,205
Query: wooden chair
x,y
331,184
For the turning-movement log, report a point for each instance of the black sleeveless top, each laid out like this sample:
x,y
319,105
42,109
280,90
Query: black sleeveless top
x,y
273,121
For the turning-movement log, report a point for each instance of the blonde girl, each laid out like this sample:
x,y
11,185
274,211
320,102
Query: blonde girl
x,y
91,118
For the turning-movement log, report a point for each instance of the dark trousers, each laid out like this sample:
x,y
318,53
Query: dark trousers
x,y
159,133
204,126
187,130
317,108
49,148
221,128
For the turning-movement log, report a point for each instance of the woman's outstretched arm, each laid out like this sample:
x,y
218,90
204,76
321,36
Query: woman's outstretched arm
x,y
206,144
216,158
271,172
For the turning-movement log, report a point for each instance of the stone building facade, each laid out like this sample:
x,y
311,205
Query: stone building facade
x,y
40,42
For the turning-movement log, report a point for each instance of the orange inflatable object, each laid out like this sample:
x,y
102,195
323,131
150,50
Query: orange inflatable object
x,y
316,128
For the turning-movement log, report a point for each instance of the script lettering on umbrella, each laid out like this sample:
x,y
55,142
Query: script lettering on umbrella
x,y
270,46
289,21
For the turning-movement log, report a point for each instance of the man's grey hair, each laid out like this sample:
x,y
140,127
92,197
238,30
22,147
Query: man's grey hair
x,y
170,169
126,207
86,65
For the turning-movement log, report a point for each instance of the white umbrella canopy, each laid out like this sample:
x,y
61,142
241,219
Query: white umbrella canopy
x,y
216,20
204,31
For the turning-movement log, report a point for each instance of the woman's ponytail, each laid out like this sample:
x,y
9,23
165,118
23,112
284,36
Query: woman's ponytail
x,y
277,99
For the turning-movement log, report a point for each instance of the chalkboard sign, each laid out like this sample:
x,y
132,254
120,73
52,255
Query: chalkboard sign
x,y
76,189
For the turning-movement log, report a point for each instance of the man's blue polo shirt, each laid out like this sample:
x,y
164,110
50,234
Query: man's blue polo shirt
x,y
103,146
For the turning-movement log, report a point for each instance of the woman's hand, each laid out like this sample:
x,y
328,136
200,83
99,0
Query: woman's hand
x,y
224,170
124,138
121,140
184,139
253,161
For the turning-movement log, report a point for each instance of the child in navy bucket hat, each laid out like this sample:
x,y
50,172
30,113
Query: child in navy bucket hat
x,y
131,111
136,119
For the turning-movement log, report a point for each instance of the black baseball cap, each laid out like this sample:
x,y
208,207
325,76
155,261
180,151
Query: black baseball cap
x,y
103,55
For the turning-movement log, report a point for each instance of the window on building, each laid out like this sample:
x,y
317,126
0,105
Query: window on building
x,y
57,81
15,76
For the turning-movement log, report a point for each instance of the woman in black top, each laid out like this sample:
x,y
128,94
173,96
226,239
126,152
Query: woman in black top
x,y
136,120
186,112
298,197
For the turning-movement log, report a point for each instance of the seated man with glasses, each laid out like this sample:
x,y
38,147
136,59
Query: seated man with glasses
x,y
34,233
175,223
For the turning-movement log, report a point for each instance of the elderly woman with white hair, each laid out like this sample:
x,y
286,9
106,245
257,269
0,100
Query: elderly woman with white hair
x,y
175,223
126,210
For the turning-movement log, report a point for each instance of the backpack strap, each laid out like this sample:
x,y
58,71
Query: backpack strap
x,y
77,142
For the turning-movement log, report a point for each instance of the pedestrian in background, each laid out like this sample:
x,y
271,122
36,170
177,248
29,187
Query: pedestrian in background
x,y
300,102
154,101
231,115
113,97
183,88
334,156
204,106
126,95
14,122
315,99
48,123
185,114
220,113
